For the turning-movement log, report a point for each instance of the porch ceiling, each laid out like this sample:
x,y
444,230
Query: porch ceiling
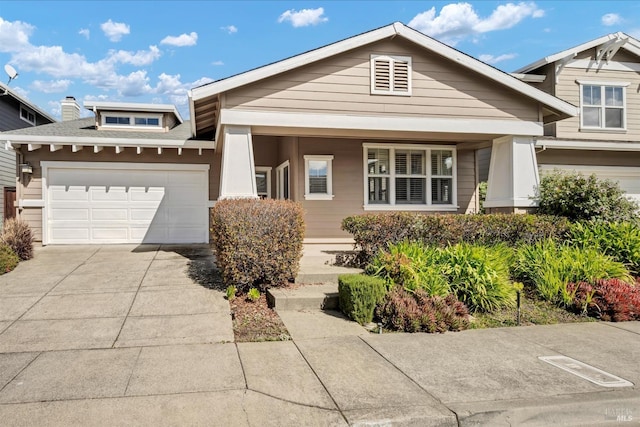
x,y
206,112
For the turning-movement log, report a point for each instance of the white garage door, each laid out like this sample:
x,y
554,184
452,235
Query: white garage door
x,y
627,177
126,203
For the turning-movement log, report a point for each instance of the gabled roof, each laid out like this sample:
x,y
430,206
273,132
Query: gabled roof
x,y
632,45
6,91
132,106
396,29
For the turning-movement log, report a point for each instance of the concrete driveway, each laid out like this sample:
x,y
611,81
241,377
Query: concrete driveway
x,y
88,297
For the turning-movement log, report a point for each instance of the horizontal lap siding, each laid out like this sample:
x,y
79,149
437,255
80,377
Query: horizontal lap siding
x,y
341,84
466,181
324,217
588,158
569,90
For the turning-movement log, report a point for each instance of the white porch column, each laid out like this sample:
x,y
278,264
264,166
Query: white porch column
x,y
513,173
238,168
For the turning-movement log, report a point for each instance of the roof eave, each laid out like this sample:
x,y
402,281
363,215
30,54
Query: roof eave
x,y
103,142
215,88
34,107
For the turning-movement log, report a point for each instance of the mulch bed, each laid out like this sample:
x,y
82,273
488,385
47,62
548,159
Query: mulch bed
x,y
255,321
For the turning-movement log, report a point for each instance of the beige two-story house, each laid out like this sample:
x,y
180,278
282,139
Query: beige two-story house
x,y
602,78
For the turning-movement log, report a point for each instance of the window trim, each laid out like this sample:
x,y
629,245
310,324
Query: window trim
x,y
132,120
603,84
317,196
266,169
391,59
280,184
29,111
392,206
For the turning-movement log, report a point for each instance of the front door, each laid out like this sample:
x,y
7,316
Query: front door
x,y
9,202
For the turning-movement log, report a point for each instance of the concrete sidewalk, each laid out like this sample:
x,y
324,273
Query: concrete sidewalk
x,y
123,336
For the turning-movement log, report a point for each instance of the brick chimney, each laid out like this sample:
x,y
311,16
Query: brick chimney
x,y
70,109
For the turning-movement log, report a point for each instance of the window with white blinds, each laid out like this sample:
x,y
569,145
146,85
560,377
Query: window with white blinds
x,y
390,75
409,175
318,177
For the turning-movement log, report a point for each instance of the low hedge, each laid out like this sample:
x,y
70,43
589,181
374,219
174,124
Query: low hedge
x,y
373,232
359,294
8,259
258,243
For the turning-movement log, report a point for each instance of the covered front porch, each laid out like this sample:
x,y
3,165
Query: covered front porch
x,y
336,174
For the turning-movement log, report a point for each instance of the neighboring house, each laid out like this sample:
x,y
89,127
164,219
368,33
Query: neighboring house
x,y
387,120
602,77
15,113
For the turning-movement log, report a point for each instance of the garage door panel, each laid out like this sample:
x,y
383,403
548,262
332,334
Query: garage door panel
x,y
75,193
110,234
71,214
121,214
101,205
70,234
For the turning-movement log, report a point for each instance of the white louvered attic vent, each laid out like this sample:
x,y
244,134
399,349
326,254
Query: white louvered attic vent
x,y
390,75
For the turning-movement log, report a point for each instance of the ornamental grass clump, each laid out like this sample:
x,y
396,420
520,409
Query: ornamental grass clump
x,y
258,243
619,240
17,234
477,275
549,267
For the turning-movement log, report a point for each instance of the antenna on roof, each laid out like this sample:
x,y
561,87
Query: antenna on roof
x,y
12,73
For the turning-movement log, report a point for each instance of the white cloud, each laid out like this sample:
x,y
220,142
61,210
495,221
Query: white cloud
x,y
171,87
457,21
54,108
490,59
181,40
23,93
217,63
139,58
52,86
14,36
304,17
115,30
85,32
610,19
231,29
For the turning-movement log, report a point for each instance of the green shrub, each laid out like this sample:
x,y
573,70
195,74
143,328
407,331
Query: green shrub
x,y
580,198
482,195
418,312
551,266
8,259
477,275
17,234
619,240
374,232
359,294
257,242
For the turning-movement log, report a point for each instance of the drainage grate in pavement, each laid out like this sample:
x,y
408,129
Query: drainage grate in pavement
x,y
588,372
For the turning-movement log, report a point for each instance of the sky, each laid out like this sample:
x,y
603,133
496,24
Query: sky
x,y
155,51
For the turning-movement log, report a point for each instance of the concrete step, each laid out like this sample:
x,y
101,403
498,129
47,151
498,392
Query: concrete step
x,y
308,297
